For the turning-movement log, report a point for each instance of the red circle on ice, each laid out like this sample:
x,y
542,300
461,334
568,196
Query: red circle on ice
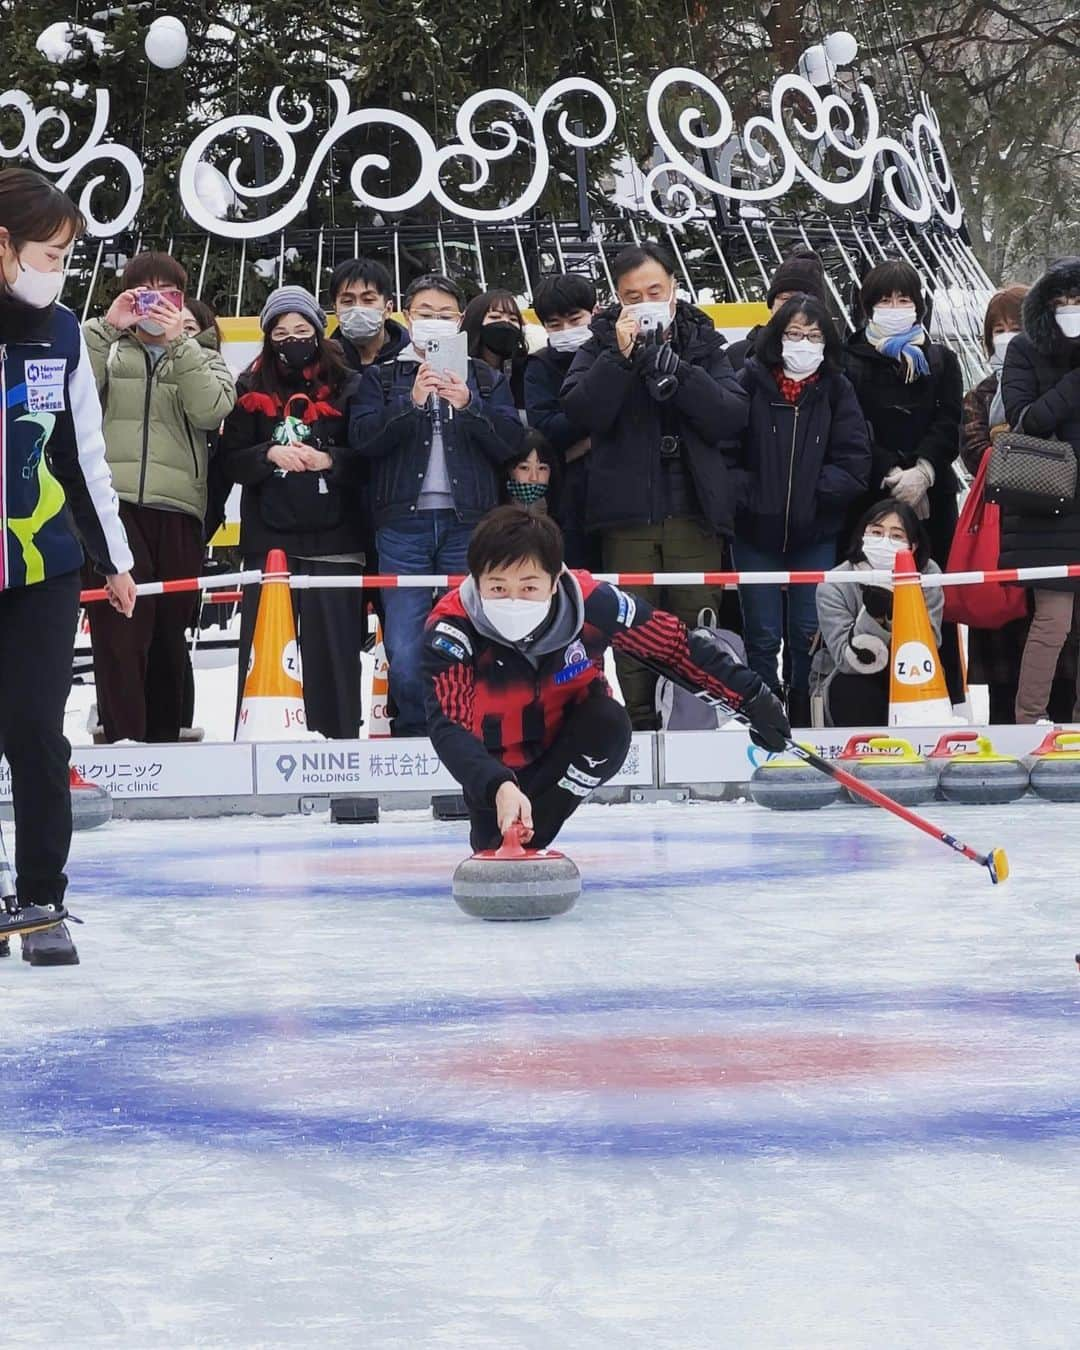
x,y
693,1061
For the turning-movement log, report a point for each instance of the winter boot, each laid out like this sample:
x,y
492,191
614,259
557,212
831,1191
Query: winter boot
x,y
50,947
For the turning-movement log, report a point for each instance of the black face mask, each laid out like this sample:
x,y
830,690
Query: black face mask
x,y
297,352
503,339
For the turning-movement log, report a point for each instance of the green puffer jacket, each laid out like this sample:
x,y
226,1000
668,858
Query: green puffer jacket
x,y
157,416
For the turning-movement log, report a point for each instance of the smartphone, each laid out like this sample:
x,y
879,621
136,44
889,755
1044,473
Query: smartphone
x,y
449,355
146,300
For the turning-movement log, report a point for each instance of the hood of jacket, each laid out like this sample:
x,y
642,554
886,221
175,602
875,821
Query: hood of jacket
x,y
562,627
694,332
1063,278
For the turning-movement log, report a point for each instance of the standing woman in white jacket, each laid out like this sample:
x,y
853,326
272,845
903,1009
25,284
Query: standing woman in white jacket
x,y
53,481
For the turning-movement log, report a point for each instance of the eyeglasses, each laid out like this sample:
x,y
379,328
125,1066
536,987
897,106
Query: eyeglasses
x,y
801,335
451,315
896,535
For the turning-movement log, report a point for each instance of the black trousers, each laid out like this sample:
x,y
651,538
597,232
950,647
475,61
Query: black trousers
x,y
330,628
37,642
588,751
859,700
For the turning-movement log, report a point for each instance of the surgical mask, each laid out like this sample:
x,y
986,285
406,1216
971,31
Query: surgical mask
x,y
359,322
297,352
38,289
1001,341
570,339
516,619
802,358
880,551
526,493
1068,320
653,315
504,339
151,327
424,330
894,321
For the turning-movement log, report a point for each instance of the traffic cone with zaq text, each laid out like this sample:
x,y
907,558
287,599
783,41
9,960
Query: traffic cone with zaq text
x,y
917,692
380,684
272,708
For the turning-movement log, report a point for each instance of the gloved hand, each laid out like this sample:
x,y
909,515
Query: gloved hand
x,y
910,486
660,367
877,602
769,725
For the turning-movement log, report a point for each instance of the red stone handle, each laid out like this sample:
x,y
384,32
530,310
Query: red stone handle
x,y
511,846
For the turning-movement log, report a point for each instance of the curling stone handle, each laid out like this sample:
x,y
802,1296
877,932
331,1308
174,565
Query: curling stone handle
x,y
511,846
873,745
1058,740
944,748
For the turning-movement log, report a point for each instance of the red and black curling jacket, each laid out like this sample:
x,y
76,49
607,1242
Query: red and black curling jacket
x,y
492,709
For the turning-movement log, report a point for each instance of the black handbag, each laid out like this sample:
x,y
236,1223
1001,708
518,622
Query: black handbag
x,y
1030,474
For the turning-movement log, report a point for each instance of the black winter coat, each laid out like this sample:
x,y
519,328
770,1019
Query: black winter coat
x,y
397,339
309,514
606,394
388,429
545,374
909,422
802,464
739,352
1041,384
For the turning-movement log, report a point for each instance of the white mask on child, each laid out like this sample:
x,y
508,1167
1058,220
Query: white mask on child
x,y
570,339
880,551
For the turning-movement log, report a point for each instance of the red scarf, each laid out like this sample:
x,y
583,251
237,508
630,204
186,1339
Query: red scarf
x,y
792,390
307,406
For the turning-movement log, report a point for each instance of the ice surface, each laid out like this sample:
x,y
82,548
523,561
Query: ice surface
x,y
777,1081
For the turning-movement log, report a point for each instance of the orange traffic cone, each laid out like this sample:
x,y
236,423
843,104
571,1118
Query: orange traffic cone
x,y
272,708
380,686
917,692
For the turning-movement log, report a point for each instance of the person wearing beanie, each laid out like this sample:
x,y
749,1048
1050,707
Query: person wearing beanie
x,y
286,444
163,393
801,273
1040,384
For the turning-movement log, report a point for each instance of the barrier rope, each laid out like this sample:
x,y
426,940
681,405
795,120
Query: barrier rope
x,y
716,580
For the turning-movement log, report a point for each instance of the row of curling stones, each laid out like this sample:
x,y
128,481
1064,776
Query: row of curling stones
x,y
515,884
1055,774
963,767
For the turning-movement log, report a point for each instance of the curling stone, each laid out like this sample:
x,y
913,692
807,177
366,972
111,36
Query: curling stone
x,y
793,785
91,805
1055,773
975,774
513,884
890,765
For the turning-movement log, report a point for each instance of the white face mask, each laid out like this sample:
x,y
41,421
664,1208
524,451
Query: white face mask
x,y
1001,341
424,330
802,358
654,315
1068,320
892,320
570,339
39,289
880,551
151,327
516,619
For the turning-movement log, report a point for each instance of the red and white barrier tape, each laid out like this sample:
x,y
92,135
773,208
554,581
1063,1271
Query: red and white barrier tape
x,y
630,579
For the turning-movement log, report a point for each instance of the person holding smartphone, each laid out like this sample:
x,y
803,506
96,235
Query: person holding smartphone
x,y
163,393
54,479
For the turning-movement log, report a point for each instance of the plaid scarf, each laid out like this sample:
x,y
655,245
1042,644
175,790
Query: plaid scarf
x,y
792,390
903,347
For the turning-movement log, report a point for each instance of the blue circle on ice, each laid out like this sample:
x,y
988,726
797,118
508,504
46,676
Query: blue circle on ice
x,y
333,1076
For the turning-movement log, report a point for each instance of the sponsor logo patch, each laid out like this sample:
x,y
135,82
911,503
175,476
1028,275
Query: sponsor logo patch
x,y
455,635
454,649
627,608
45,385
568,785
580,776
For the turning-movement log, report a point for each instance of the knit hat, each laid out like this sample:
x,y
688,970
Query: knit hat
x,y
799,272
292,300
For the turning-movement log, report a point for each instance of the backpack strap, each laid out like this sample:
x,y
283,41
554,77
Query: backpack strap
x,y
485,377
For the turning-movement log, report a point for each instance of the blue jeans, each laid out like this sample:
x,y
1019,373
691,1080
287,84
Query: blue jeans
x,y
431,541
763,608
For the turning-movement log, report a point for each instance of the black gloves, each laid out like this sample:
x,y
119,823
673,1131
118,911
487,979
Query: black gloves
x,y
660,367
877,601
769,726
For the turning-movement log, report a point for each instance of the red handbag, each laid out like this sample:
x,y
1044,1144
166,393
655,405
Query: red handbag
x,y
976,547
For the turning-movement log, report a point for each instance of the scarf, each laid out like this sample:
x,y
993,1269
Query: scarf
x,y
792,390
308,405
906,348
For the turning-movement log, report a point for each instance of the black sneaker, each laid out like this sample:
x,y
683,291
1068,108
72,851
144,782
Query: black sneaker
x,y
50,947
5,947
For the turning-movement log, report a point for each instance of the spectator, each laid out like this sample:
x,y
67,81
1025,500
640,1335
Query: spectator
x,y
439,447
286,443
805,458
994,655
911,391
655,392
1041,388
362,293
851,668
163,392
535,479
565,305
496,332
801,273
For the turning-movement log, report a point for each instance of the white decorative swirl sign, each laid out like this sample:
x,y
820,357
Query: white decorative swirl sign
x,y
65,171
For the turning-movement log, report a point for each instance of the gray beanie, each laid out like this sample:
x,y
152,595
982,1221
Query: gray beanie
x,y
292,300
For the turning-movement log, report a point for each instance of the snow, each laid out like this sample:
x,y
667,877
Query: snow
x,y
808,1080
56,43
